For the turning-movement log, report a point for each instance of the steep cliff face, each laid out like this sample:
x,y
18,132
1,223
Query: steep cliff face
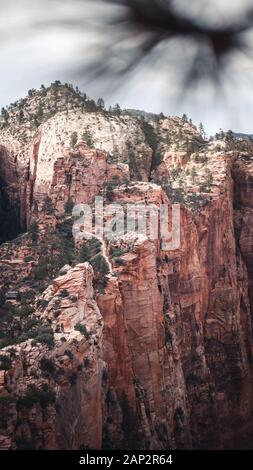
x,y
52,397
243,203
40,128
81,175
187,323
159,354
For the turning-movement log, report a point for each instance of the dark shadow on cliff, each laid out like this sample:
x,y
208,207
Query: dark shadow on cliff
x,y
9,215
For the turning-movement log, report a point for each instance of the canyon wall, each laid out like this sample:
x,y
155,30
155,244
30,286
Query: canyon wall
x,y
158,354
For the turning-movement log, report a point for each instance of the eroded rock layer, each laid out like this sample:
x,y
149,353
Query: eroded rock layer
x,y
126,343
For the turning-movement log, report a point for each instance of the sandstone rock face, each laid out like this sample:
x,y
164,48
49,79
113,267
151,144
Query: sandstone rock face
x,y
81,175
122,140
56,395
111,135
243,181
36,142
184,314
154,350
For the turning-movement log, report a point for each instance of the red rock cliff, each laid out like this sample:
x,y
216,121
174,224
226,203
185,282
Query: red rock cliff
x,y
159,355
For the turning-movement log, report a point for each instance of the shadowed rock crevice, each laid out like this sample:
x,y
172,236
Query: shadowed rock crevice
x,y
10,225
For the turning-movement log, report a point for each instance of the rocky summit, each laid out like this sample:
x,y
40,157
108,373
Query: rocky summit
x,y
123,343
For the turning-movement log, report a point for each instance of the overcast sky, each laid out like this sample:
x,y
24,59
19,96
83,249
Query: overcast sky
x,y
45,40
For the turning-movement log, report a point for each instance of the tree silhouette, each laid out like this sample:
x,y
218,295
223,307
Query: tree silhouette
x,y
100,103
154,22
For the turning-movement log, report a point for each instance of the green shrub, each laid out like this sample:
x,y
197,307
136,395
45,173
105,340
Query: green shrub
x,y
100,265
58,248
44,335
48,205
116,252
69,206
64,293
27,259
178,196
34,231
42,303
69,354
57,304
57,313
47,365
25,310
31,323
73,139
23,337
82,329
90,249
66,243
86,136
26,296
12,352
119,261
5,362
33,396
109,191
40,272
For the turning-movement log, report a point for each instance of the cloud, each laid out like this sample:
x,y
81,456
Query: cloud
x,y
43,40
